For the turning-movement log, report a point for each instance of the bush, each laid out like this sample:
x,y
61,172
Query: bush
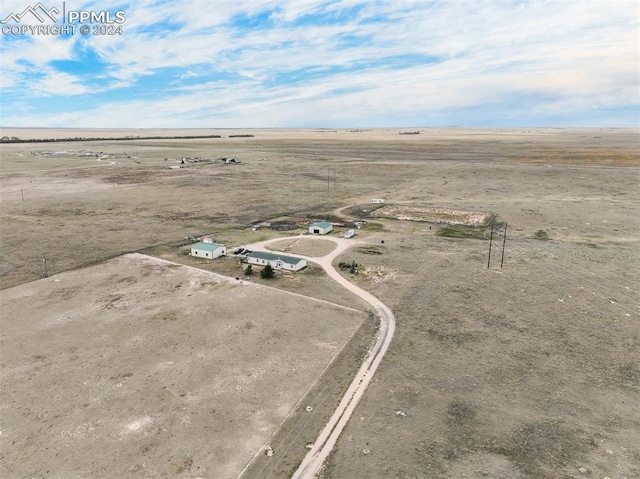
x,y
541,235
349,266
248,270
267,272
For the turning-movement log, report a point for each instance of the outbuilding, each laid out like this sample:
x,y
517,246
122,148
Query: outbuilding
x,y
276,260
208,250
321,228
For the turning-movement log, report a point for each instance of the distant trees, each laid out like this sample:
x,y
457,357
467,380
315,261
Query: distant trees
x,y
267,272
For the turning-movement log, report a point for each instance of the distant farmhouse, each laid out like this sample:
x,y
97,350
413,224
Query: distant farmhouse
x,y
208,250
276,260
321,228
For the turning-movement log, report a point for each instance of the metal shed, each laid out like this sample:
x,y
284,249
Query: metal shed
x,y
321,228
208,250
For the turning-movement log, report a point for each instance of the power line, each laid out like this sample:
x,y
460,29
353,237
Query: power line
x,y
504,241
490,243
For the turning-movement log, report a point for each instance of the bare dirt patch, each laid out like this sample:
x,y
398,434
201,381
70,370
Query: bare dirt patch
x,y
139,368
303,246
432,215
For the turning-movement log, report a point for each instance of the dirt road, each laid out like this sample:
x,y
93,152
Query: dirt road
x,y
325,442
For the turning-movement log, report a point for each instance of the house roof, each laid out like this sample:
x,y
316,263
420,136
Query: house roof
x,y
207,246
322,224
274,256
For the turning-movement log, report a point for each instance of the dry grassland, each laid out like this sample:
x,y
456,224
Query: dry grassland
x,y
141,368
312,282
527,372
531,371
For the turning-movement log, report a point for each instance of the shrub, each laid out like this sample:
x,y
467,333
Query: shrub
x,y
267,272
248,270
541,235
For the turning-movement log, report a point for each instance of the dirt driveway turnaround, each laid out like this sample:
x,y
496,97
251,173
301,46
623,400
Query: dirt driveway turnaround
x,y
325,442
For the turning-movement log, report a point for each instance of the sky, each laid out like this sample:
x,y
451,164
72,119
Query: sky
x,y
318,63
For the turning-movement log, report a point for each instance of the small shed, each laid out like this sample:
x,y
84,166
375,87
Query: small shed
x,y
377,201
208,250
276,260
321,228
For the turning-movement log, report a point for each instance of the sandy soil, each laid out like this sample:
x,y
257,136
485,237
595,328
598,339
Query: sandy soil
x,y
140,368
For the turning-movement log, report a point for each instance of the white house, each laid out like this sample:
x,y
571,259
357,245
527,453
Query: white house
x,y
321,228
276,260
208,250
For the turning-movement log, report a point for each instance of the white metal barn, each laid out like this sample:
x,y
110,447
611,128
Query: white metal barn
x,y
208,250
277,261
321,228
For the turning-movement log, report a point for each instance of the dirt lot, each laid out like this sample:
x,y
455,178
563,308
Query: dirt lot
x,y
303,246
432,215
140,368
529,372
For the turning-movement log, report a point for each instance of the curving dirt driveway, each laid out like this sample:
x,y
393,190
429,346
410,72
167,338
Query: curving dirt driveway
x,y
326,440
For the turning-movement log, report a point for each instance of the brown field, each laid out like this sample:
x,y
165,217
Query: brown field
x,y
151,369
529,371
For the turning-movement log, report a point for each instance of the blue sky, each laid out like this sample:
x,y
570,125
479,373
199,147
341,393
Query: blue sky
x,y
342,63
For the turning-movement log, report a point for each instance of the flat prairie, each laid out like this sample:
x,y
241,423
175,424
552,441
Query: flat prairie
x,y
529,370
139,367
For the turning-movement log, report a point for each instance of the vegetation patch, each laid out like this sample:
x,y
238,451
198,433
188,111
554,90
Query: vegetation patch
x,y
589,244
540,449
267,272
461,231
369,251
460,412
541,235
373,227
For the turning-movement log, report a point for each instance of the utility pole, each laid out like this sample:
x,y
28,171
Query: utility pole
x,y
490,243
22,193
328,178
504,240
46,271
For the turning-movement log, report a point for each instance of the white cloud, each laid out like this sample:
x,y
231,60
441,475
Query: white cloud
x,y
560,57
55,83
